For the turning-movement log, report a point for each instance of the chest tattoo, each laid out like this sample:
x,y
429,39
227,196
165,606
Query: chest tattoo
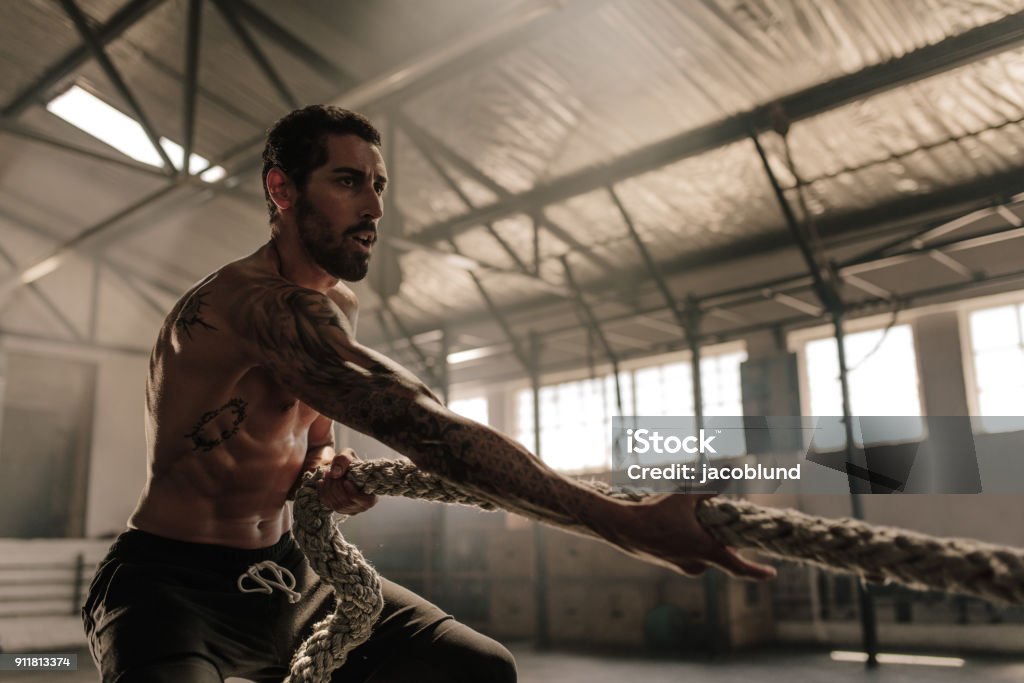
x,y
201,436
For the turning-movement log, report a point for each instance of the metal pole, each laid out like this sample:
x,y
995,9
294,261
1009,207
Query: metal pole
x,y
693,339
711,582
190,81
438,569
76,593
591,322
543,637
858,485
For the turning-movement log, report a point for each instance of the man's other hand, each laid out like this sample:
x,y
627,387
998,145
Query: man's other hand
x,y
340,494
664,530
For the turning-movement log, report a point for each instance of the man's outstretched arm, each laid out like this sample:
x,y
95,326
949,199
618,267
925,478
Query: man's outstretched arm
x,y
303,338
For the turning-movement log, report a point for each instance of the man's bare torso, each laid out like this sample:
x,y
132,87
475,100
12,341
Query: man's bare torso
x,y
226,442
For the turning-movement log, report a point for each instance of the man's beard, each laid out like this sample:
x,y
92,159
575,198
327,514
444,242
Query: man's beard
x,y
328,251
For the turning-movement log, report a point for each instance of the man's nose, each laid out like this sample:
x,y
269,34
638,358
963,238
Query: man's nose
x,y
373,209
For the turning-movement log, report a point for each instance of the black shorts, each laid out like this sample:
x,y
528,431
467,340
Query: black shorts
x,y
165,610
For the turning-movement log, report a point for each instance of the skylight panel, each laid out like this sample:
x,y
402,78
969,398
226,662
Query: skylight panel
x,y
115,128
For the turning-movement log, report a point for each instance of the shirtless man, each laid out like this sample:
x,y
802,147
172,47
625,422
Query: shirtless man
x,y
249,371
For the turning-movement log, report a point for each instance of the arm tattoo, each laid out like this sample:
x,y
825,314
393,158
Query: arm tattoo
x,y
200,442
307,346
191,314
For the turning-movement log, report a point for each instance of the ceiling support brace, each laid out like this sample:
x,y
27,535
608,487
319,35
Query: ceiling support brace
x,y
426,361
190,81
590,321
119,22
82,26
256,54
517,347
652,268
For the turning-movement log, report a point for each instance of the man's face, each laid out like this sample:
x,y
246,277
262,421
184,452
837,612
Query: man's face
x,y
338,211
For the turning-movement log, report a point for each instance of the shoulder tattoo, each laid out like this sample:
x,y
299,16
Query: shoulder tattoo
x,y
191,314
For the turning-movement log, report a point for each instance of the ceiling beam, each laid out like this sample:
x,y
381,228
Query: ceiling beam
x,y
914,298
256,54
43,299
82,240
824,285
397,80
652,270
78,18
293,45
36,339
136,271
526,21
890,218
26,133
983,41
121,21
466,50
190,80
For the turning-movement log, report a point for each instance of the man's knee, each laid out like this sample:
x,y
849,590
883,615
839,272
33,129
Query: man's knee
x,y
493,663
474,656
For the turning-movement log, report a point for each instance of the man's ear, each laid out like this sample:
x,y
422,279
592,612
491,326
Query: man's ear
x,y
281,189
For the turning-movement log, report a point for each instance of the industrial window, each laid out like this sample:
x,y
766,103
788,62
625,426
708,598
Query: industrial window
x,y
576,416
882,373
997,351
475,408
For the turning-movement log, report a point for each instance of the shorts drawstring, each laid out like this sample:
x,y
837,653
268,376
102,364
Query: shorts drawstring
x,y
283,579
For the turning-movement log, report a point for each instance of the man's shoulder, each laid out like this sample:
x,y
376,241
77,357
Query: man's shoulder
x,y
344,298
246,282
228,291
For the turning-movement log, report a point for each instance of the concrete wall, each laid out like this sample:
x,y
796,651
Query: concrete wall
x,y
117,465
118,468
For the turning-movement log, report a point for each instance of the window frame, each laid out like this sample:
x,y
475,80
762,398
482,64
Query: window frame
x,y
797,341
604,369
968,355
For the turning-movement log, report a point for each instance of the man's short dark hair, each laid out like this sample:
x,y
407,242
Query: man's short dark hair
x,y
297,143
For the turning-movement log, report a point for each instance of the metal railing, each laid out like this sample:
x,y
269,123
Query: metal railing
x,y
36,589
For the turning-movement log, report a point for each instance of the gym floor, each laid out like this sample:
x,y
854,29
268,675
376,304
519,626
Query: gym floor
x,y
748,667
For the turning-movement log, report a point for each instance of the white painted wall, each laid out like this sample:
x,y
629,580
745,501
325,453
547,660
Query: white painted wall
x,y
117,469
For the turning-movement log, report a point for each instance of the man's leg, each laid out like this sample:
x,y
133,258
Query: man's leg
x,y
137,641
137,636
415,641
167,610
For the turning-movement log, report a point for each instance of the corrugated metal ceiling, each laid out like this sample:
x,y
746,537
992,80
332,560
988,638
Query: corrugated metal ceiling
x,y
619,77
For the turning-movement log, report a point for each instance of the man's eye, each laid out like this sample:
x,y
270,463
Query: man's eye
x,y
347,182
379,188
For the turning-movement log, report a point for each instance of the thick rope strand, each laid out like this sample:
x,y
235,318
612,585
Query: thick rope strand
x,y
356,588
879,554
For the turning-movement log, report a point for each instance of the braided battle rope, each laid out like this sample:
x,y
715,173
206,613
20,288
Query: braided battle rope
x,y
879,554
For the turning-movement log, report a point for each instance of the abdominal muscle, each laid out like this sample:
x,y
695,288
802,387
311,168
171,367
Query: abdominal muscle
x,y
220,497
231,493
